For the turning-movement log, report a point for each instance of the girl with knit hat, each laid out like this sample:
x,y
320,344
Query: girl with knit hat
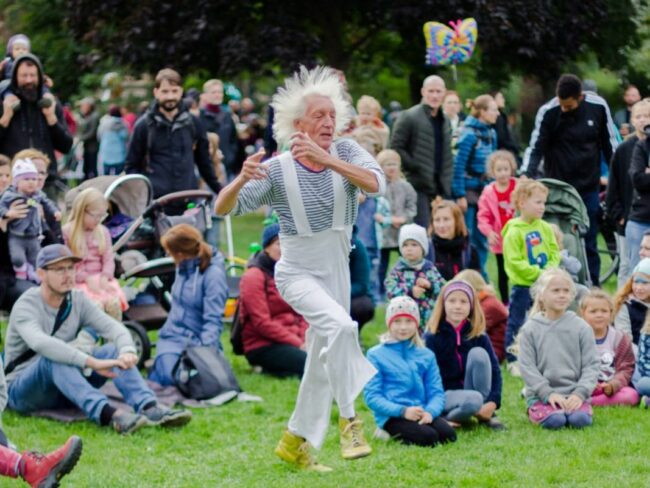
x,y
632,300
406,395
413,275
468,366
496,313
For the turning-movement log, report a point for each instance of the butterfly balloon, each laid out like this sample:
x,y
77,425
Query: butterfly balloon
x,y
453,45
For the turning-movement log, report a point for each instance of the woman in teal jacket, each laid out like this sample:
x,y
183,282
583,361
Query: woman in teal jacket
x,y
476,142
406,395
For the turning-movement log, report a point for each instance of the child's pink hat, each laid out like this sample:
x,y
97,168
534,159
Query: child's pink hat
x,y
402,307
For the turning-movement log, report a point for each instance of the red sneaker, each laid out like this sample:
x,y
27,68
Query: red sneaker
x,y
46,470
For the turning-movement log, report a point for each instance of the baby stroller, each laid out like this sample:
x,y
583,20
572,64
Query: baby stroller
x,y
136,224
565,208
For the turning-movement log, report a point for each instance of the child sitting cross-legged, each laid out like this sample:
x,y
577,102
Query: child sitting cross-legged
x,y
413,275
614,350
468,366
406,395
557,356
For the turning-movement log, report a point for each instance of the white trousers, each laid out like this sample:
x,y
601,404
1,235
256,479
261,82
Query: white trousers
x,y
313,277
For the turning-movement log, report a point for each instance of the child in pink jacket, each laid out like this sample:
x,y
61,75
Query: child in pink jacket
x,y
495,208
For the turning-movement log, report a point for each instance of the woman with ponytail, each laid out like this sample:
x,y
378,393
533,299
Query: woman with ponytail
x,y
199,295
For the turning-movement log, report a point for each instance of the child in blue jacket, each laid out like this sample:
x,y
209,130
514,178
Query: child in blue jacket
x,y
406,395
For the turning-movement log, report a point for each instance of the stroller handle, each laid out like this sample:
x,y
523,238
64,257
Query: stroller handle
x,y
181,195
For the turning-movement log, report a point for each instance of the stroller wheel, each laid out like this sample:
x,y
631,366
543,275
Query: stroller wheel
x,y
141,341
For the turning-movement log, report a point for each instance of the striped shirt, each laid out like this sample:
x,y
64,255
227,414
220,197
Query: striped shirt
x,y
316,190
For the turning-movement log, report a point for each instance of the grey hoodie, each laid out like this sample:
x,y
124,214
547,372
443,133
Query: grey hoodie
x,y
30,327
558,357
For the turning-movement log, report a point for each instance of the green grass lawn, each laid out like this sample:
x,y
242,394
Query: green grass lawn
x,y
233,445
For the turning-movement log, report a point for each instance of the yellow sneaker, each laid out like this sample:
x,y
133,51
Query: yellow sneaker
x,y
295,450
353,442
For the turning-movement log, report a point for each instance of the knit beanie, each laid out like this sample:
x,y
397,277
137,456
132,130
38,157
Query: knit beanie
x,y
18,39
23,168
269,233
416,233
459,285
402,307
643,266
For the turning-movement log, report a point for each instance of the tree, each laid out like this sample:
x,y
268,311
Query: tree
x,y
224,37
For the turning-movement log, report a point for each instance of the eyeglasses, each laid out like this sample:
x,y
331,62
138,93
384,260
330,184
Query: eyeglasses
x,y
97,216
641,281
60,271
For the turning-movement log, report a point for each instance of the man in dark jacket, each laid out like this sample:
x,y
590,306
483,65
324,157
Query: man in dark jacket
x,y
620,188
422,137
217,118
572,133
31,119
168,141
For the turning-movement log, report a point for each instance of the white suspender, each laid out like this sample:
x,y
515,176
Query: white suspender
x,y
294,197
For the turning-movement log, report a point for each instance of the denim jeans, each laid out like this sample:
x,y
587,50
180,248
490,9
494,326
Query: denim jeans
x,y
633,236
373,257
623,260
477,239
163,368
520,302
641,383
592,202
461,405
213,234
49,385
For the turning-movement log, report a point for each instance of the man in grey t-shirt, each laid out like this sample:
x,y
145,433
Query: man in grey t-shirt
x,y
46,371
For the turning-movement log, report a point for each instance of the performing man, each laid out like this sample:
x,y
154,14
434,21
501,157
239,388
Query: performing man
x,y
313,188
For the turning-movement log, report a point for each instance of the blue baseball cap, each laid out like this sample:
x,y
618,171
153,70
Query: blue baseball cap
x,y
54,253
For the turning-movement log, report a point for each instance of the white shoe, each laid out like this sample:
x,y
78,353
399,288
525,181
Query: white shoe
x,y
513,369
381,434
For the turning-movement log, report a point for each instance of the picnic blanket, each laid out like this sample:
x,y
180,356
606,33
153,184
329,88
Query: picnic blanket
x,y
167,395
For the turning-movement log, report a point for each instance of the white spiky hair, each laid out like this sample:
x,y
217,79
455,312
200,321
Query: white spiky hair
x,y
289,101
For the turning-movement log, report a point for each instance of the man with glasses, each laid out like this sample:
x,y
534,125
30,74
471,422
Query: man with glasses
x,y
45,370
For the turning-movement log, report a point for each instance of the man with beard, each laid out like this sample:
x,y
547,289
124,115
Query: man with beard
x,y
32,120
168,141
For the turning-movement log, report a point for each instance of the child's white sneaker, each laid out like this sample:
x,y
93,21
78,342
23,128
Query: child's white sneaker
x,y
513,369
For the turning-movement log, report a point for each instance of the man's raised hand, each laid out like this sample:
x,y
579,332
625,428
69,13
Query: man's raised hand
x,y
253,168
303,148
